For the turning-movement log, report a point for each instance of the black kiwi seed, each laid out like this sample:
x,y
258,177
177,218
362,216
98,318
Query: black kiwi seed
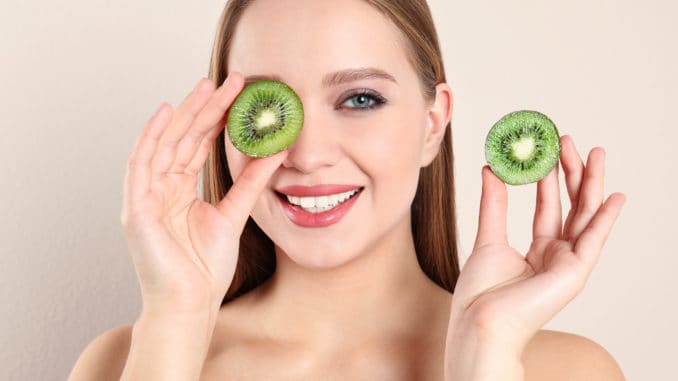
x,y
265,119
522,147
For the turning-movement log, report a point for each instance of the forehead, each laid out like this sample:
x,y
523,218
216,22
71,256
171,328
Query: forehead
x,y
299,39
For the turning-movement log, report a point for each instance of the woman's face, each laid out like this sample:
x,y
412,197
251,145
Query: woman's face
x,y
329,53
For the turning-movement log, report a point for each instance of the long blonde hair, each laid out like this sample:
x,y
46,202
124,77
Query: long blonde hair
x,y
433,210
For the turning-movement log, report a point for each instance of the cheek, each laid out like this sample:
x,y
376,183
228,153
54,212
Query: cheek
x,y
388,150
389,141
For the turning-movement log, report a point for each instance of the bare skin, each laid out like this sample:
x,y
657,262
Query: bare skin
x,y
247,346
335,288
412,348
348,301
239,352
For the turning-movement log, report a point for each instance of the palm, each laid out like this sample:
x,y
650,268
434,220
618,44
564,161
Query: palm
x,y
197,226
513,295
494,277
195,231
175,236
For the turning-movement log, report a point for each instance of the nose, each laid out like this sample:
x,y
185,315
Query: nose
x,y
315,147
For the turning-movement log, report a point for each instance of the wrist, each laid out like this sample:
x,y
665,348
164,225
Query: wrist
x,y
177,318
473,355
183,303
169,337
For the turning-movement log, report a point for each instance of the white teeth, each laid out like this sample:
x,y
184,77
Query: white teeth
x,y
321,203
307,202
333,199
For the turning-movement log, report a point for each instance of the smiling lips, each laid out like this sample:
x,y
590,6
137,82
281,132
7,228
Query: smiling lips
x,y
317,206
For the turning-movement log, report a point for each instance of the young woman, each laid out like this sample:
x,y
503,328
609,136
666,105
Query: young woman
x,y
371,289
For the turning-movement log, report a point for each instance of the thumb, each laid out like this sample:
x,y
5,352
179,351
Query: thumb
x,y
246,189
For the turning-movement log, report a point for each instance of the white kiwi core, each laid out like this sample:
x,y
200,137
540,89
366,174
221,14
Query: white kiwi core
x,y
266,120
524,148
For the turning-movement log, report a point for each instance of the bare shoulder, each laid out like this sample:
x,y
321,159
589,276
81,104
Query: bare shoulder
x,y
554,355
104,357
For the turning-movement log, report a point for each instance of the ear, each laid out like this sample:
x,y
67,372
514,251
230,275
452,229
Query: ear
x,y
439,116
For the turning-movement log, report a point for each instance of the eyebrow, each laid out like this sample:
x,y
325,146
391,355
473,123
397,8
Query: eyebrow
x,y
336,78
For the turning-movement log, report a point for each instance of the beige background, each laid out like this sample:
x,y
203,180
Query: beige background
x,y
78,80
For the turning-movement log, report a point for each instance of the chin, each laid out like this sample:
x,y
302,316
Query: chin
x,y
317,256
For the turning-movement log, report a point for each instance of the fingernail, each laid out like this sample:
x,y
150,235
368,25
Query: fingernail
x,y
230,76
199,84
159,109
572,143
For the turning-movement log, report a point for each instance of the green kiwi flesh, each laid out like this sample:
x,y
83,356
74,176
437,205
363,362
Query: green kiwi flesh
x,y
522,147
265,118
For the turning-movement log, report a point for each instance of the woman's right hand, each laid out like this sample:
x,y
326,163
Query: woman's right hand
x,y
185,250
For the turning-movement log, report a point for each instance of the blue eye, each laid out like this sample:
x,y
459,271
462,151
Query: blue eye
x,y
364,101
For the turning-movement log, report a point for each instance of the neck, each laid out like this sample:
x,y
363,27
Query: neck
x,y
380,294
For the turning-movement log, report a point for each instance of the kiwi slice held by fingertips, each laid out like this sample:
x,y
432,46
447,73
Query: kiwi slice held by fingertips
x,y
265,118
522,147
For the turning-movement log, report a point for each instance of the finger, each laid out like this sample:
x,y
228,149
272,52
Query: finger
x,y
184,115
206,122
548,214
246,189
138,176
590,193
203,151
493,206
591,241
573,167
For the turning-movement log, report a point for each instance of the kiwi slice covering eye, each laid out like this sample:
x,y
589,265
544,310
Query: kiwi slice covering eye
x,y
522,147
265,119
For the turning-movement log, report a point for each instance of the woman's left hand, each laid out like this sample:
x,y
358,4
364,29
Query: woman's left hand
x,y
503,298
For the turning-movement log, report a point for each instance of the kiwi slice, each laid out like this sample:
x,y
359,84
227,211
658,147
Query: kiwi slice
x,y
522,147
265,118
